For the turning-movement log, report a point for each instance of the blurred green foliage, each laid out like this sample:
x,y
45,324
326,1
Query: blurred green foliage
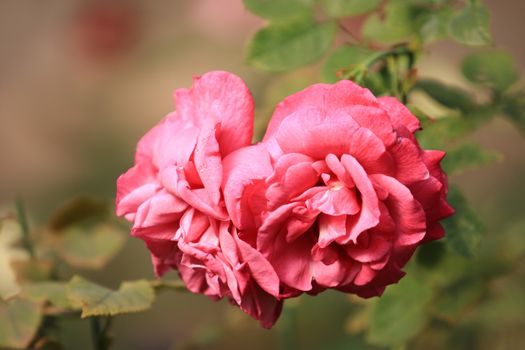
x,y
458,292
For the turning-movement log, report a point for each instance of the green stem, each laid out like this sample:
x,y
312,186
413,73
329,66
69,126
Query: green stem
x,y
359,71
394,76
22,220
99,333
173,285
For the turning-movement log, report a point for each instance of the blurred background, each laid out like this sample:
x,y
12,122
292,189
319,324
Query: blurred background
x,y
81,81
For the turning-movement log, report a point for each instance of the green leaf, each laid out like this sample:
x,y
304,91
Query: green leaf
x,y
52,292
80,210
276,10
464,230
448,96
493,68
90,247
468,155
342,8
436,133
291,44
401,313
397,26
82,234
97,300
458,297
31,270
471,25
430,254
435,24
514,109
19,321
344,58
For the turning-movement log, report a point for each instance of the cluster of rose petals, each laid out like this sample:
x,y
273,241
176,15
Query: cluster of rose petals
x,y
339,194
174,198
342,194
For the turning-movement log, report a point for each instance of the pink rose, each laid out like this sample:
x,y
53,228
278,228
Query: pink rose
x,y
174,198
339,194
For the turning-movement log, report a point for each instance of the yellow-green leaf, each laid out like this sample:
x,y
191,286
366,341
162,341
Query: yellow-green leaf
x,y
50,291
97,300
19,321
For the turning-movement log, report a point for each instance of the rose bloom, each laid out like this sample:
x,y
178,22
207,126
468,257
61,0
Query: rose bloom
x,y
174,198
339,194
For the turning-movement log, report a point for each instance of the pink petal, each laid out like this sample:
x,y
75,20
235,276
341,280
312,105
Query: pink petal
x,y
323,96
375,120
335,201
134,187
315,133
405,209
365,275
408,158
292,176
330,228
376,249
399,114
208,162
261,270
219,97
292,261
370,152
368,217
243,168
261,305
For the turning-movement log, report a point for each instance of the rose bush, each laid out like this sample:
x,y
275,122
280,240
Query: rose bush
x,y
173,197
341,194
